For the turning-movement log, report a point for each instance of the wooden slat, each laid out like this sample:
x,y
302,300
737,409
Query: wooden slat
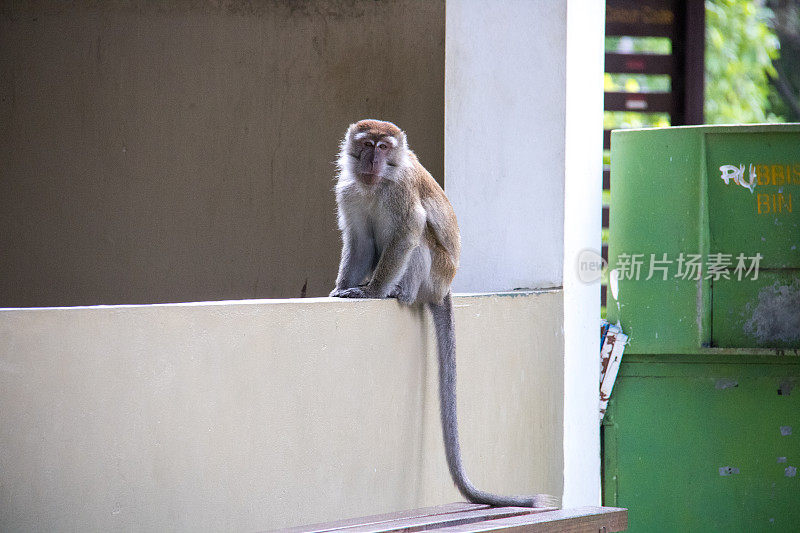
x,y
603,294
639,102
463,517
614,29
604,252
436,522
605,217
606,139
377,519
640,64
579,520
606,177
641,18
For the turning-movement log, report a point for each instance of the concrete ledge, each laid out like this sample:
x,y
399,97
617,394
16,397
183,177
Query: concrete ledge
x,y
262,414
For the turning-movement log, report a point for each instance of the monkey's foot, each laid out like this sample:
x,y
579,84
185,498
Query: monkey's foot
x,y
354,292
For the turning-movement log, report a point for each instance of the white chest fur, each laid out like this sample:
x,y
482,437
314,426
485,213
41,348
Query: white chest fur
x,y
368,212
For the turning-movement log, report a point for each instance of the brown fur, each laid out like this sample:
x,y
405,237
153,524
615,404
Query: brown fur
x,y
378,128
405,197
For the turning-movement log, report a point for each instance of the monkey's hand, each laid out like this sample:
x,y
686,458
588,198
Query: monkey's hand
x,y
353,292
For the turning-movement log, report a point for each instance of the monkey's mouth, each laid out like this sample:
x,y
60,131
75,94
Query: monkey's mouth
x,y
368,178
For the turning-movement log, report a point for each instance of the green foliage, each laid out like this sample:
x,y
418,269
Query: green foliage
x,y
640,45
633,119
740,47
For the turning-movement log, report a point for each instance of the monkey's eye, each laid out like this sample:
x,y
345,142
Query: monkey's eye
x,y
383,146
369,144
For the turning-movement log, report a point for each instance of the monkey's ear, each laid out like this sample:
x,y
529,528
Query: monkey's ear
x,y
403,140
348,136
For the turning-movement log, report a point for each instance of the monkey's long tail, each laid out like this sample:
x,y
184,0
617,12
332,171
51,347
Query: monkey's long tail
x,y
445,338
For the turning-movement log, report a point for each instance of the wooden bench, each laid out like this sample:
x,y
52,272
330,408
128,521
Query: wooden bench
x,y
461,517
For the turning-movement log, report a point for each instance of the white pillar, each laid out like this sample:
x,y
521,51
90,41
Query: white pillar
x,y
582,226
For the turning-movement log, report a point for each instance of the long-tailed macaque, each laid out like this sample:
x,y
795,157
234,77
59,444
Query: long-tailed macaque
x,y
401,240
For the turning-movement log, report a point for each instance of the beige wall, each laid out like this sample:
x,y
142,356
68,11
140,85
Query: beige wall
x,y
181,151
242,416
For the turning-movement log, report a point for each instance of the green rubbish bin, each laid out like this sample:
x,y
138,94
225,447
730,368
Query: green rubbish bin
x,y
702,432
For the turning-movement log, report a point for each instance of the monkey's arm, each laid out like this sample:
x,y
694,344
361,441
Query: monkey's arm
x,y
390,268
394,259
392,264
358,255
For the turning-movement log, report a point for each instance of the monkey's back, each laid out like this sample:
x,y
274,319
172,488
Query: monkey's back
x,y
441,228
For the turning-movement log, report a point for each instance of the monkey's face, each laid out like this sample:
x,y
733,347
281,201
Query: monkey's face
x,y
375,149
375,155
